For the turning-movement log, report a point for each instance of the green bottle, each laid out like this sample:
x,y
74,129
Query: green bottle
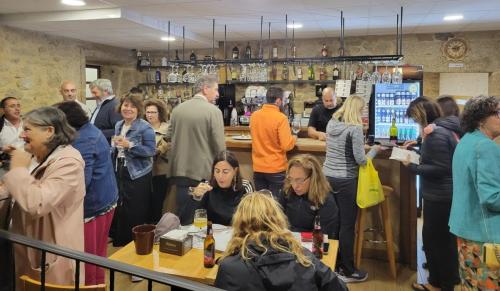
x,y
310,72
393,130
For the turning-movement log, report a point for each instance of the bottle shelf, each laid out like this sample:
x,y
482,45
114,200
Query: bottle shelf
x,y
165,84
319,82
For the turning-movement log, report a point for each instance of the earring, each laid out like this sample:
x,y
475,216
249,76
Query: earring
x,y
234,183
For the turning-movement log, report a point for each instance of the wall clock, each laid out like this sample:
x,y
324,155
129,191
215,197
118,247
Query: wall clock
x,y
455,49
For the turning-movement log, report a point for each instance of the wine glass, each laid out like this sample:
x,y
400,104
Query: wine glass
x,y
295,126
200,218
386,76
172,77
397,77
375,77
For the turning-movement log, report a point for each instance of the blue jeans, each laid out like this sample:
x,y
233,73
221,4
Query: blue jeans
x,y
270,181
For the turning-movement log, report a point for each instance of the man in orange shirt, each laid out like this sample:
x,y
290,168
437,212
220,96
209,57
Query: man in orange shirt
x,y
271,139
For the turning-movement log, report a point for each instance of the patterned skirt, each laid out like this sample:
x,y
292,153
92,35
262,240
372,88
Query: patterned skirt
x,y
474,273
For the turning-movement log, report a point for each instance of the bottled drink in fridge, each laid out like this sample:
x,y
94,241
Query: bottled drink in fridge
x,y
393,131
209,248
317,235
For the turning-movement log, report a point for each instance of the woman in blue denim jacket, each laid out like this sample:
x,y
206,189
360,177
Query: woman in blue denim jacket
x,y
133,148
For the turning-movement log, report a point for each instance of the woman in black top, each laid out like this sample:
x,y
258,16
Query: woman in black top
x,y
307,193
223,193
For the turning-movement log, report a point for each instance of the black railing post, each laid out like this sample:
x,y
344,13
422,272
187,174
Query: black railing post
x,y
42,266
77,275
111,280
150,285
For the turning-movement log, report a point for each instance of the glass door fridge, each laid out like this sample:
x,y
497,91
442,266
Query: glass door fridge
x,y
392,100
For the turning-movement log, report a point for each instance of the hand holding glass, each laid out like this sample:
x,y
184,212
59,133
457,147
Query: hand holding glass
x,y
295,126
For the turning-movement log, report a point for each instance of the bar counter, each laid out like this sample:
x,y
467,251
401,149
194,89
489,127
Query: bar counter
x,y
392,173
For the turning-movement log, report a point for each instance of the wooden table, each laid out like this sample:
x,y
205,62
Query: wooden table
x,y
189,266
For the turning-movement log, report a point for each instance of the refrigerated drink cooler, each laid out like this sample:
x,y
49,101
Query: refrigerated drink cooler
x,y
392,100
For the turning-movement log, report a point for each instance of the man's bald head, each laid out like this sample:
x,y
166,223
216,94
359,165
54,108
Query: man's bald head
x,y
68,91
329,98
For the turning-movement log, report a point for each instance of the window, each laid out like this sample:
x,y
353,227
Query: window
x,y
92,73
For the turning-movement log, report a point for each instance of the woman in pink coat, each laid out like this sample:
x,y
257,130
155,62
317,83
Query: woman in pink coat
x,y
47,183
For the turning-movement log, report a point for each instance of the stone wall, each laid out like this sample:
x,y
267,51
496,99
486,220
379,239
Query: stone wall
x,y
33,65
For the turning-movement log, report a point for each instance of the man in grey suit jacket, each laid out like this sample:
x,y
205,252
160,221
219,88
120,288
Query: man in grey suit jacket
x,y
197,135
105,115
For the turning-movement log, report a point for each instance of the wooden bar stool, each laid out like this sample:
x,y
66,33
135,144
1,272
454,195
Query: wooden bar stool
x,y
358,244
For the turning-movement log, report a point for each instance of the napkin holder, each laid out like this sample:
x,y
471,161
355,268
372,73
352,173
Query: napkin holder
x,y
176,243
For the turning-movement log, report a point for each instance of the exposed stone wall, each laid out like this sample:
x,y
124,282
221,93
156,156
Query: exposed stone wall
x,y
33,65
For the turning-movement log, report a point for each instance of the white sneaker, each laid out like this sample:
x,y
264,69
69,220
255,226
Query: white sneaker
x,y
136,279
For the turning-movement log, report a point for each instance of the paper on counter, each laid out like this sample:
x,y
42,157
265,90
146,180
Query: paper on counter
x,y
400,154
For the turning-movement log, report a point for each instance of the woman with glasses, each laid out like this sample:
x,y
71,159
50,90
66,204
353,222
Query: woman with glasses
x,y
307,194
263,254
223,193
345,152
475,209
156,115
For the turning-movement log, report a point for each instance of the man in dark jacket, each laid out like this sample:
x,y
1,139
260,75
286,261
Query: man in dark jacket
x,y
105,115
275,270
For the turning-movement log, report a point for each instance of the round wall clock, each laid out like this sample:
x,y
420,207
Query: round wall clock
x,y
455,49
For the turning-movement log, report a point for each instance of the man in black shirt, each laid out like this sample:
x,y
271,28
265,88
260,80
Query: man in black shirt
x,y
321,114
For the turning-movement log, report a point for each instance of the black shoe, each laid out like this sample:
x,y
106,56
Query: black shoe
x,y
357,276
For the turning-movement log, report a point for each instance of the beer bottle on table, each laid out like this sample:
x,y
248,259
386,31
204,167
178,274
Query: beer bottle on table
x,y
317,244
209,247
393,130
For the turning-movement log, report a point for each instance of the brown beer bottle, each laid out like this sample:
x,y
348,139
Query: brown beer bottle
x,y
209,247
317,236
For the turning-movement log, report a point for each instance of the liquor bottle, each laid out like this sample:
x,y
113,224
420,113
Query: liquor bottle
x,y
139,58
299,73
322,73
248,51
324,51
158,76
335,73
209,248
236,53
310,72
294,51
393,130
177,55
192,56
274,72
284,72
147,61
317,236
234,74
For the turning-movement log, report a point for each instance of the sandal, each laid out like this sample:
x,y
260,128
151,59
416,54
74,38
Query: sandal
x,y
419,287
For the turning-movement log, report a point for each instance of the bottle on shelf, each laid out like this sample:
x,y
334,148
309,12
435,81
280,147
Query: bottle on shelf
x,y
234,115
284,72
322,73
299,73
234,73
274,72
335,73
177,55
158,76
209,248
275,52
294,51
317,236
310,72
248,51
147,61
393,130
164,62
324,51
236,53
192,56
139,58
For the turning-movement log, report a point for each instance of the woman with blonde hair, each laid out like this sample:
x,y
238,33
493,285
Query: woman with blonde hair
x,y
307,193
345,152
264,255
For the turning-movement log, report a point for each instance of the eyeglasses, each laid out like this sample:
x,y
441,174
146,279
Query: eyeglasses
x,y
298,181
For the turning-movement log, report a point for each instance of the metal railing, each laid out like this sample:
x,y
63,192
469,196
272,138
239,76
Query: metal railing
x,y
113,266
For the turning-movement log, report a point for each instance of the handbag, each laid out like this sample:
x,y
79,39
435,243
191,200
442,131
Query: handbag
x,y
370,191
491,251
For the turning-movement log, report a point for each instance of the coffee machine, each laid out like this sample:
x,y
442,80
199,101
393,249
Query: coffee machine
x,y
226,101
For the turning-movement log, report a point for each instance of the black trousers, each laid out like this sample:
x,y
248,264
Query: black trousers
x,y
344,192
185,205
160,189
134,205
440,246
270,181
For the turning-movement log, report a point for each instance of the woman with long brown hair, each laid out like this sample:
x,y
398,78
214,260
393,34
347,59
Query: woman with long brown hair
x,y
264,255
307,193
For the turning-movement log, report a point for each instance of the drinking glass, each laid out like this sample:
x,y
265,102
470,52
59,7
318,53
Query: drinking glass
x,y
172,77
295,126
200,218
386,76
375,77
397,77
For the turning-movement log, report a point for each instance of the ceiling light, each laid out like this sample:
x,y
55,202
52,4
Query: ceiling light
x,y
168,38
453,17
295,25
73,2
